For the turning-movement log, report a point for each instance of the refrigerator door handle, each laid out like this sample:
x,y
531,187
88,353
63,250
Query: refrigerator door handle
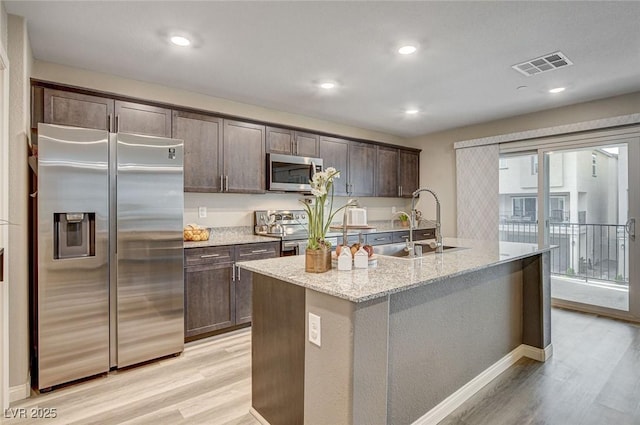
x,y
630,227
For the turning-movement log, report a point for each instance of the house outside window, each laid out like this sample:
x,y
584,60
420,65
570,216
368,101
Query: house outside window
x,y
594,165
503,163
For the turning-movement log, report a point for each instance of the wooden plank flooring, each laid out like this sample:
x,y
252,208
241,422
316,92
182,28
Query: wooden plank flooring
x,y
593,378
210,383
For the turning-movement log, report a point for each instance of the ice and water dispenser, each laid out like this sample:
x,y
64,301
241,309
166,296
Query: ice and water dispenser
x,y
74,235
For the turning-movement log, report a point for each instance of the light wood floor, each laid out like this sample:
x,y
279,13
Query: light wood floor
x,y
593,378
210,383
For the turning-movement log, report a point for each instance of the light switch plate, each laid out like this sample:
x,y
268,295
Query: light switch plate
x,y
315,330
202,212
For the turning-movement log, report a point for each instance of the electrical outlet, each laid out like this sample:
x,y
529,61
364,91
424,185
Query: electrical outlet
x,y
393,210
202,212
315,330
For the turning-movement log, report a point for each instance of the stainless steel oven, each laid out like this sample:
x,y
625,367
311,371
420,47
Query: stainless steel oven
x,y
290,226
290,173
298,247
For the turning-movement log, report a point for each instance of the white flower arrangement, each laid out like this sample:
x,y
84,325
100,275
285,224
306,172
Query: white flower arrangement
x,y
319,220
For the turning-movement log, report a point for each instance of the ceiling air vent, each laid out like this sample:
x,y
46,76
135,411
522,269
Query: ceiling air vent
x,y
542,64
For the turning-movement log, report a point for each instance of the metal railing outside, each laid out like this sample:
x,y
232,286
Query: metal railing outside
x,y
585,251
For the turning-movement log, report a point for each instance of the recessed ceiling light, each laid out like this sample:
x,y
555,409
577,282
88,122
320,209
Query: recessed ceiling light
x,y
557,90
327,85
181,41
407,50
411,111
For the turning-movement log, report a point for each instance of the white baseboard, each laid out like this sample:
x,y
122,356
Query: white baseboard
x,y
451,403
539,354
19,392
258,416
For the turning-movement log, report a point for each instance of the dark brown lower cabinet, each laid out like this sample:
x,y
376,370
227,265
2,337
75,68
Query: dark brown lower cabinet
x,y
209,298
217,293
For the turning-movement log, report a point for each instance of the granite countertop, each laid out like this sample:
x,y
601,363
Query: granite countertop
x,y
244,234
395,274
230,236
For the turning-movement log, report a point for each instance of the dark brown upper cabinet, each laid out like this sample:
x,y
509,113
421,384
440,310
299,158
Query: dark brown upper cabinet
x,y
306,144
244,157
139,118
74,109
335,153
101,113
202,135
408,172
387,172
362,169
291,142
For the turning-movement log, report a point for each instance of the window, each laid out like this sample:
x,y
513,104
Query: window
x,y
557,212
534,165
524,208
594,165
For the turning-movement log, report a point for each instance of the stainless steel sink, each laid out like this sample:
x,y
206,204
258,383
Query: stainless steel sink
x,y
399,249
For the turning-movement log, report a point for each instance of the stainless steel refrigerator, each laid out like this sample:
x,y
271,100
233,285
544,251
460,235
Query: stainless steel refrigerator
x,y
109,285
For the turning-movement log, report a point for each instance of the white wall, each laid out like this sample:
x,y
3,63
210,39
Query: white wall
x,y
4,209
438,160
228,209
20,58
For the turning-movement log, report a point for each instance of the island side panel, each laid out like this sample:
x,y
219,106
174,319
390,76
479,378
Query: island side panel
x,y
537,300
277,354
328,392
444,334
370,362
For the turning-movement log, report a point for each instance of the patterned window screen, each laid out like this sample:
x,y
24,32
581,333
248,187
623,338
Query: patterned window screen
x,y
477,172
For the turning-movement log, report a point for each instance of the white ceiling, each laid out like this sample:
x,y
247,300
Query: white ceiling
x,y
271,53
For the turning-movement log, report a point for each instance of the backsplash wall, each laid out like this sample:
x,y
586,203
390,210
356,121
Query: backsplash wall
x,y
231,209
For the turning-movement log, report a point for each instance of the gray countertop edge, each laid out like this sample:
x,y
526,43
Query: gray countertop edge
x,y
385,292
247,238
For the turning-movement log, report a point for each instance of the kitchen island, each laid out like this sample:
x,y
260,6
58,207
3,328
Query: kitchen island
x,y
404,342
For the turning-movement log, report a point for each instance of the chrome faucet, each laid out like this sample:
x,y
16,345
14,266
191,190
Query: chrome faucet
x,y
350,203
438,243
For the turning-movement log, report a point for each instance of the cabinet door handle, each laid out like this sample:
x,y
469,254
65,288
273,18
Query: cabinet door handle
x,y
209,255
109,122
256,251
221,183
117,123
226,183
233,273
427,234
238,272
404,237
379,239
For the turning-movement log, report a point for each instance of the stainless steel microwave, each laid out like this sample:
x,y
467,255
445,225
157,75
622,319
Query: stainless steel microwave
x,y
291,173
